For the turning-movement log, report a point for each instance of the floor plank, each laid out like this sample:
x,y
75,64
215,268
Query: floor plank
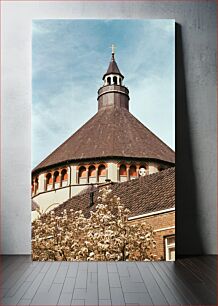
x,y
151,284
171,270
25,276
65,298
48,298
198,288
202,270
188,281
14,300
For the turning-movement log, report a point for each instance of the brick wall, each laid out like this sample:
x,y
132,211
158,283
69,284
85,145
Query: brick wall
x,y
160,222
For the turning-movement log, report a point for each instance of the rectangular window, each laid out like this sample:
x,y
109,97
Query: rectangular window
x,y
170,248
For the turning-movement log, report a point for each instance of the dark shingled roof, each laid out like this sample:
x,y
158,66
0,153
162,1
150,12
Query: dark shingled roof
x,y
110,133
146,194
112,69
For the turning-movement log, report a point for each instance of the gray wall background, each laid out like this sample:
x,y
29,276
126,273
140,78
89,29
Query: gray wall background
x,y
196,146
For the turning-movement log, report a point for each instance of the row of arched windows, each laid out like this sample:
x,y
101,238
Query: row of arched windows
x,y
113,80
59,178
56,180
131,172
90,174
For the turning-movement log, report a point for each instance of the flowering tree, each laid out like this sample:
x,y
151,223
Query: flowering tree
x,y
105,235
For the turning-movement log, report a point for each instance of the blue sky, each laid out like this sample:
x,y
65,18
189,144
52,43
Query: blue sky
x,y
69,58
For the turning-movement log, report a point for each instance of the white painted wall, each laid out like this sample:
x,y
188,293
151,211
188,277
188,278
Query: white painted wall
x,y
152,168
73,175
77,189
41,183
112,172
46,199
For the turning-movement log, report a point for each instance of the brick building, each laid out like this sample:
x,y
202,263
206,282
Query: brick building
x,y
113,145
150,199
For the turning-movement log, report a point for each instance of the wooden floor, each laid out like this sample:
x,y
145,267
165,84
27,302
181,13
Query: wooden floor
x,y
188,281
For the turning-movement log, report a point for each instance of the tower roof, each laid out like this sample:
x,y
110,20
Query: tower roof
x,y
111,132
112,68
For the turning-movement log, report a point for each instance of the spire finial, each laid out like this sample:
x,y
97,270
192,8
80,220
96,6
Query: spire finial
x,y
113,50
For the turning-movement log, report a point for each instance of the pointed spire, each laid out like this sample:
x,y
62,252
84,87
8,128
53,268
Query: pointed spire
x,y
113,68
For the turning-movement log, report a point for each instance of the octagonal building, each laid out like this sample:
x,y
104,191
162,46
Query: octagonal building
x,y
112,146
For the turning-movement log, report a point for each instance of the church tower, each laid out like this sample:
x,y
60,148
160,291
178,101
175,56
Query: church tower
x,y
113,145
113,94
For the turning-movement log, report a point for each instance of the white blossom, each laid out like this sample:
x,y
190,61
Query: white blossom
x,y
105,235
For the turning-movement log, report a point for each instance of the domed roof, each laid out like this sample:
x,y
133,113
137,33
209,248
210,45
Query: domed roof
x,y
111,132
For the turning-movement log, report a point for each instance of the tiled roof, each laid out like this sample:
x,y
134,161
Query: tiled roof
x,y
110,132
146,194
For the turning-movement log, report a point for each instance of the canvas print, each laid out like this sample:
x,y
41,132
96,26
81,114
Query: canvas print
x,y
103,140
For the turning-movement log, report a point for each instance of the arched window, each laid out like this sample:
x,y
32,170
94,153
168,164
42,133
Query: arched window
x,y
120,81
123,170
101,173
64,178
64,175
109,80
123,173
82,171
115,80
82,175
102,170
56,180
132,172
48,182
92,174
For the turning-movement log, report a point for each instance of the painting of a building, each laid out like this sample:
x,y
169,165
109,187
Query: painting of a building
x,y
119,148
112,148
